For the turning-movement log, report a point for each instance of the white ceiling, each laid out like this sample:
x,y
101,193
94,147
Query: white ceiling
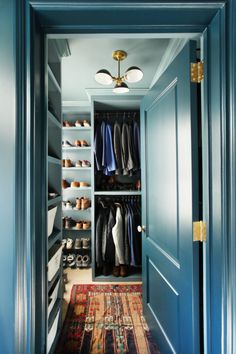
x,y
88,55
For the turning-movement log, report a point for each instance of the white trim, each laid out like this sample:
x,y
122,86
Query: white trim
x,y
140,92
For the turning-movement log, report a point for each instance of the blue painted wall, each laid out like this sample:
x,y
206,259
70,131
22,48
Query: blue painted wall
x,y
7,175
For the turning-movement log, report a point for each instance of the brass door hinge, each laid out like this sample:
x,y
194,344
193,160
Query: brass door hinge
x,y
199,231
197,72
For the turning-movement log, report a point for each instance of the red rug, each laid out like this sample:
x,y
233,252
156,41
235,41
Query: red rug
x,y
105,319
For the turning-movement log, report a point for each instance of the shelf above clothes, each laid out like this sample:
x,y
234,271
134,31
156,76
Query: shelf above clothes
x,y
76,168
75,148
76,128
107,193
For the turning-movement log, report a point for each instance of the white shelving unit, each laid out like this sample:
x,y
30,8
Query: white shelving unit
x,y
79,174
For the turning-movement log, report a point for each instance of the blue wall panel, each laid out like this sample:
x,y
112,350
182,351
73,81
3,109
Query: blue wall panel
x,y
7,175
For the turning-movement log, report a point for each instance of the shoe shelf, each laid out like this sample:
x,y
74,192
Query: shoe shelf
x,y
77,188
76,128
70,174
54,279
75,229
76,168
76,148
76,210
111,278
53,313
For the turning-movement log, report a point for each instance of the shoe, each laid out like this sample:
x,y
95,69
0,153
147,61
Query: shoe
x,y
78,243
63,163
85,260
79,261
106,269
71,260
69,223
78,123
69,243
66,143
116,271
86,225
86,123
79,163
67,124
86,243
65,184
68,163
123,271
63,242
85,203
78,203
85,163
84,143
75,184
68,205
77,143
84,184
79,225
64,261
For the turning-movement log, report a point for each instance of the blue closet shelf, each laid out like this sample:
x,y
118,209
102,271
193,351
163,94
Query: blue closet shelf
x,y
118,193
53,121
53,313
53,79
75,148
76,168
77,128
55,236
55,278
54,160
54,200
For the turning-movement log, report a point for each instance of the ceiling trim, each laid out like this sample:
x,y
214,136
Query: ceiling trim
x,y
174,47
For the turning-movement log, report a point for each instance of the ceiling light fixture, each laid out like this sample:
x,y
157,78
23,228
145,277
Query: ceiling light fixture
x,y
132,75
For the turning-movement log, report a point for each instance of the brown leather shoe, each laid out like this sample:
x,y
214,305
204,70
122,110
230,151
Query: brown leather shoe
x,y
65,184
116,271
84,184
77,143
85,203
68,163
79,225
123,271
78,203
86,225
84,143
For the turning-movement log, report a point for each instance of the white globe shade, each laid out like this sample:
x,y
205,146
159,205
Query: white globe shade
x,y
133,74
103,77
122,88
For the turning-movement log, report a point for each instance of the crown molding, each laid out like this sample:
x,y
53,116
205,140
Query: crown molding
x,y
172,50
137,92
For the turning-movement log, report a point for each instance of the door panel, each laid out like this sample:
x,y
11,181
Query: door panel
x,y
170,205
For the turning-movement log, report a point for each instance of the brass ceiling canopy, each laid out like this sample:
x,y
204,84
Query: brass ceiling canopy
x,y
119,55
132,75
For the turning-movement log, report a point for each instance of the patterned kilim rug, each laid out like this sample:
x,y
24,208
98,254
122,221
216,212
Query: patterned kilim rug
x,y
105,319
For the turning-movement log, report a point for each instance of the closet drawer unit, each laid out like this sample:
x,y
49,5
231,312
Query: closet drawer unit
x,y
51,218
54,260
53,297
53,332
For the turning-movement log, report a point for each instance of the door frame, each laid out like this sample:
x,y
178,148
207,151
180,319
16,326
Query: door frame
x,y
34,19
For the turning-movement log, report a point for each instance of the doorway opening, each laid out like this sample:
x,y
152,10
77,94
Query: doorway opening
x,y
77,107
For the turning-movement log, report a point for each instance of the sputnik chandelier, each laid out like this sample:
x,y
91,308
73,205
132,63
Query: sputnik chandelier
x,y
132,75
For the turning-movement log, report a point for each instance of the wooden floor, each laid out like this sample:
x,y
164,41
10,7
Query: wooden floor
x,y
79,276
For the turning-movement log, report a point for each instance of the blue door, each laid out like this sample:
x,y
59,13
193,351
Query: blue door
x,y
170,205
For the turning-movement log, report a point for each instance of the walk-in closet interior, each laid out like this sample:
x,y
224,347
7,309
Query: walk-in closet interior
x,y
95,162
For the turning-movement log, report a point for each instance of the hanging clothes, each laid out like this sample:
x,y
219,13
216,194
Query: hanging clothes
x,y
117,239
118,148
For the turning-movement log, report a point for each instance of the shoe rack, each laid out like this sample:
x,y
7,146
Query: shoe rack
x,y
54,230
77,189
